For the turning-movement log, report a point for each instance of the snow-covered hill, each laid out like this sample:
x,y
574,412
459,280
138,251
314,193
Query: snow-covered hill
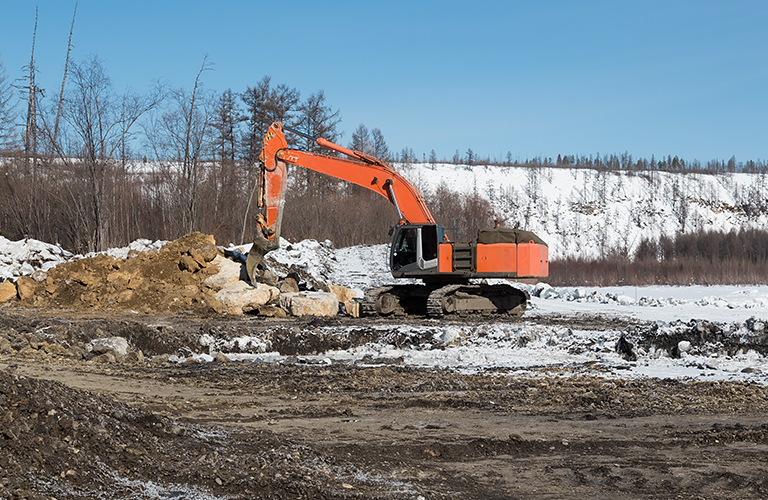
x,y
589,213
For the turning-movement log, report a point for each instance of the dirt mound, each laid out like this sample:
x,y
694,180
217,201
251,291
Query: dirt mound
x,y
168,281
59,442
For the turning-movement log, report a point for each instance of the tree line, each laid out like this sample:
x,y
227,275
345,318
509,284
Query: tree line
x,y
699,258
606,162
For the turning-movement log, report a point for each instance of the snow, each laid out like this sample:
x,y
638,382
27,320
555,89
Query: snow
x,y
723,303
140,245
24,257
586,212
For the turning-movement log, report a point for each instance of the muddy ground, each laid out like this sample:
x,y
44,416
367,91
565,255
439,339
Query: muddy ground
x,y
77,425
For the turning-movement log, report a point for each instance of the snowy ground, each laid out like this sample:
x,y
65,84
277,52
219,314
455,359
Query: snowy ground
x,y
520,347
530,345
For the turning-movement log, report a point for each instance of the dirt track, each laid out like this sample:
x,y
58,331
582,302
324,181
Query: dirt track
x,y
292,430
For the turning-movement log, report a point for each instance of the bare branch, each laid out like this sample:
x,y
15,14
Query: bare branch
x,y
64,80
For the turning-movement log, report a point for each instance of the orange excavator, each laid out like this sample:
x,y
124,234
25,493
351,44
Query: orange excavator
x,y
448,270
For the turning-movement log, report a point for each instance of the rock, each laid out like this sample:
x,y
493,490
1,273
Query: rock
x,y
187,263
343,293
39,275
240,297
271,311
106,358
208,252
310,303
221,357
75,352
178,431
197,257
54,349
352,308
268,277
25,286
211,301
7,291
289,285
124,296
452,336
117,344
133,358
229,272
160,359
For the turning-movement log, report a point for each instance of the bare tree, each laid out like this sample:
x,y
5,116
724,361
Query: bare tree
x,y
30,133
182,139
64,79
100,120
7,110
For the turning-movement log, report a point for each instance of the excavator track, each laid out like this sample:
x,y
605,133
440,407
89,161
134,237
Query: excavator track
x,y
449,300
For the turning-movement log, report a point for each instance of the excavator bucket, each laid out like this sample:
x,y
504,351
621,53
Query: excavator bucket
x,y
261,246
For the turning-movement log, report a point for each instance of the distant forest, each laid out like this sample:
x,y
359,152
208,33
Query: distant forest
x,y
90,168
701,258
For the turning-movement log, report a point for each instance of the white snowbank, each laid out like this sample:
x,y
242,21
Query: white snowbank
x,y
24,257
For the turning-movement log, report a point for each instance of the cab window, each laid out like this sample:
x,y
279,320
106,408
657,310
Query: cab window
x,y
405,248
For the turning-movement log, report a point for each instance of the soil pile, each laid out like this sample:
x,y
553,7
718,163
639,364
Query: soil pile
x,y
168,281
64,443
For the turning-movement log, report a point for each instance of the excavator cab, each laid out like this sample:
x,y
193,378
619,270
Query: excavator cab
x,y
414,249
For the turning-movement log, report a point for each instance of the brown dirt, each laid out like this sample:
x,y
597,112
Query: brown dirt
x,y
75,426
168,281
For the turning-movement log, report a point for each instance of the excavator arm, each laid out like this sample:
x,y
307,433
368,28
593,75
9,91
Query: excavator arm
x,y
361,169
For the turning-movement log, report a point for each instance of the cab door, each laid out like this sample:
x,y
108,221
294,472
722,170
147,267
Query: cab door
x,y
414,249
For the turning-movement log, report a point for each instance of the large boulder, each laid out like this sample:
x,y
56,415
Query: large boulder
x,y
240,297
310,303
26,288
229,272
7,291
118,345
343,293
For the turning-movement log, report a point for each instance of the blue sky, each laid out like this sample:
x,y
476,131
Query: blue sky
x,y
687,78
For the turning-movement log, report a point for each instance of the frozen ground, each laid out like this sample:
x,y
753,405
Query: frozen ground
x,y
548,338
533,344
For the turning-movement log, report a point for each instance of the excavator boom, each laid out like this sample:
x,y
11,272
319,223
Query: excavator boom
x,y
361,169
